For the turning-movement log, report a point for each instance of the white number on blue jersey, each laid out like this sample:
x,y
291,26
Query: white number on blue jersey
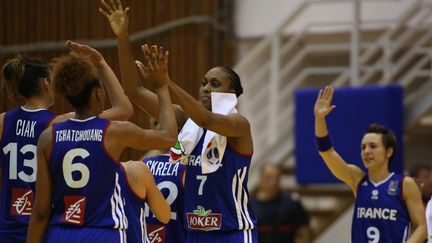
x,y
373,234
12,148
68,168
172,195
203,179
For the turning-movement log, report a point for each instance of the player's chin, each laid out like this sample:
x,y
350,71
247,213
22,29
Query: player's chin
x,y
206,103
367,163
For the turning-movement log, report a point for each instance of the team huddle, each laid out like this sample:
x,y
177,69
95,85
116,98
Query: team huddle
x,y
62,181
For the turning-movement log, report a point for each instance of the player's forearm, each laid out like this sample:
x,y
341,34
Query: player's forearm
x,y
130,78
191,106
167,120
419,235
37,227
121,106
320,127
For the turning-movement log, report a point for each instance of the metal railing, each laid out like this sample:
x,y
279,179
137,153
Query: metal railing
x,y
270,82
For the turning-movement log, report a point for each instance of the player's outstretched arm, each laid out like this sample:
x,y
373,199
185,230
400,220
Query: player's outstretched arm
x,y
350,174
122,108
412,197
145,99
42,207
130,135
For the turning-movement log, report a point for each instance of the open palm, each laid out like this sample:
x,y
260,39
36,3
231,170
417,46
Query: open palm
x,y
117,17
155,68
85,50
323,104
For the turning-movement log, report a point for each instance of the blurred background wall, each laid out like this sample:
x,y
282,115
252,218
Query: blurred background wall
x,y
197,33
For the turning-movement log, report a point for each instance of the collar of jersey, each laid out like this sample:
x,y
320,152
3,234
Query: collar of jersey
x,y
30,110
85,120
377,184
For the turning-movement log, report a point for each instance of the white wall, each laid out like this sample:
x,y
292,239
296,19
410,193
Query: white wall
x,y
255,18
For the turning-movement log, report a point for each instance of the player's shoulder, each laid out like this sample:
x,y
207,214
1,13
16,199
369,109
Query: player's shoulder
x,y
46,135
136,170
408,182
119,127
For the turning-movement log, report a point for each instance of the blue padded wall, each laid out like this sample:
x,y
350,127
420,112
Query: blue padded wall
x,y
356,109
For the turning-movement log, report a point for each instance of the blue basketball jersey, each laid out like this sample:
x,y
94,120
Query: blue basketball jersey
x,y
168,178
219,200
86,190
380,214
134,209
21,131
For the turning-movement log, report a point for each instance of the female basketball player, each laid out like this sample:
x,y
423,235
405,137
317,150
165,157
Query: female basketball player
x,y
169,183
139,189
219,199
216,204
78,190
20,128
386,203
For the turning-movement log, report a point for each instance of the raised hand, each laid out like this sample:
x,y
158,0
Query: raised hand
x,y
117,17
323,104
155,68
143,70
85,50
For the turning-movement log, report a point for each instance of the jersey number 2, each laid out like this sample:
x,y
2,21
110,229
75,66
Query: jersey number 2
x,y
172,195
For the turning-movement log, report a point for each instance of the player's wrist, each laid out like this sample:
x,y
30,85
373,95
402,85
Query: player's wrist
x,y
324,144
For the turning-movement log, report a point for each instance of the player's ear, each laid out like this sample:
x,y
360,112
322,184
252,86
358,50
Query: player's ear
x,y
389,152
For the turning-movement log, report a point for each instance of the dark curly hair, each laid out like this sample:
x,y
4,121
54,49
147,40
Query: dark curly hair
x,y
75,77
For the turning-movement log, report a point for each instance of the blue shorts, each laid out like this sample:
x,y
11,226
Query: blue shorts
x,y
13,235
57,234
12,238
245,236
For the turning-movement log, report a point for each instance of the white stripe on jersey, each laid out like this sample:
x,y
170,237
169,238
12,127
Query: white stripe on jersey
x,y
241,200
242,174
122,215
122,211
406,231
245,209
247,236
237,205
144,238
117,211
113,206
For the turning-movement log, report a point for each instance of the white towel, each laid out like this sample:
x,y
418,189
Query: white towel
x,y
214,144
428,212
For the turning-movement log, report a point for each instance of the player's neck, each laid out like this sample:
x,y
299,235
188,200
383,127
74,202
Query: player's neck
x,y
377,175
85,113
36,103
